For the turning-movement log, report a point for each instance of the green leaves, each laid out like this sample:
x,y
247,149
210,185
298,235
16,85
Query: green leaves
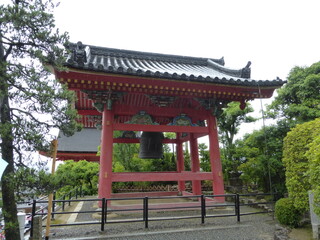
x,y
313,155
31,183
260,153
229,121
70,175
286,212
299,99
301,158
39,103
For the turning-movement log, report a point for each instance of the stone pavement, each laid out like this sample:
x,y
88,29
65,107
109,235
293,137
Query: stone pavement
x,y
251,227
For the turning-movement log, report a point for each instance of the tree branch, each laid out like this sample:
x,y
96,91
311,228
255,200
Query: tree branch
x,y
32,117
8,52
19,154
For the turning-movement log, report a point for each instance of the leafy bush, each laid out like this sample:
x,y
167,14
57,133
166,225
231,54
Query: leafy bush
x,y
297,163
313,156
286,213
71,175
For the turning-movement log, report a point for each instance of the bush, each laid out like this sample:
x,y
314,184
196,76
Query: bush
x,y
286,213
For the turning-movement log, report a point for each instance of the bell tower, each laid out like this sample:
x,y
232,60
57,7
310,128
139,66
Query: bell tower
x,y
131,91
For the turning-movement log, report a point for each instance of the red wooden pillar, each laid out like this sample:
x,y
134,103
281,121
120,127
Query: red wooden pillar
x,y
216,166
195,164
105,173
180,162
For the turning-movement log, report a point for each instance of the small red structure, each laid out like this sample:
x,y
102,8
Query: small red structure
x,y
138,91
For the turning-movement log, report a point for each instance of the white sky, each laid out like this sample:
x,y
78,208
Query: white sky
x,y
275,35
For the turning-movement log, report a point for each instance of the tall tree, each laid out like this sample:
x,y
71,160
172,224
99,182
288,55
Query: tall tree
x,y
299,99
31,101
204,157
260,154
229,121
71,175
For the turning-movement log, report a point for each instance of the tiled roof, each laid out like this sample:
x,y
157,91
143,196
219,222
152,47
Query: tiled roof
x,y
85,141
126,62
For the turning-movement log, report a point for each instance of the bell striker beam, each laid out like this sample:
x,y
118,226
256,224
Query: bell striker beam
x,y
195,164
105,173
215,161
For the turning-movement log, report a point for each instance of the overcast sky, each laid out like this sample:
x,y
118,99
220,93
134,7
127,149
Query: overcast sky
x,y
275,35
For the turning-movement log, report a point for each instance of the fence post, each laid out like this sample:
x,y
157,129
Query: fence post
x,y
145,212
102,213
106,211
76,193
53,205
64,198
33,213
69,198
203,208
237,206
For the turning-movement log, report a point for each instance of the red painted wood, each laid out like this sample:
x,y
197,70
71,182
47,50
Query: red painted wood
x,y
195,164
105,173
94,81
144,194
160,176
155,111
216,166
88,112
137,140
180,162
90,157
159,128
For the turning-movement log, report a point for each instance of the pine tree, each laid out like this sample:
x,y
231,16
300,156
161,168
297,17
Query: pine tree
x,y
32,102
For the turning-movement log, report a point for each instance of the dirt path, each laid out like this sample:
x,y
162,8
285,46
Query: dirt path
x,y
301,234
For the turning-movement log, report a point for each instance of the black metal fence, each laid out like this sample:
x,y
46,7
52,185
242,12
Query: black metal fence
x,y
204,204
40,206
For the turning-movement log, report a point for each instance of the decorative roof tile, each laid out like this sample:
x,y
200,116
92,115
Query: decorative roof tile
x,y
126,62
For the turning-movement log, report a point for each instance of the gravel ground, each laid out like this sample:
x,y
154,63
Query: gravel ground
x,y
257,226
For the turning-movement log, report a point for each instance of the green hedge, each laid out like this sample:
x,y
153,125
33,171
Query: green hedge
x,y
286,213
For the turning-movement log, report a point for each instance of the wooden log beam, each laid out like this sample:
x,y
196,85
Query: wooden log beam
x,y
159,128
137,140
160,176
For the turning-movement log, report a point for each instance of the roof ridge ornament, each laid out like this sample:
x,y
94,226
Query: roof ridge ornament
x,y
246,71
79,54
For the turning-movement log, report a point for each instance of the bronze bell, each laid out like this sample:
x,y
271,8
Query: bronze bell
x,y
151,145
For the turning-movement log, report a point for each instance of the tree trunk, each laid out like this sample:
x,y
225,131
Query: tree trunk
x,y
6,134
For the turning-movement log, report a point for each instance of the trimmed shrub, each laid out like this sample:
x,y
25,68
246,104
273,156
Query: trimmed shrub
x,y
286,213
301,162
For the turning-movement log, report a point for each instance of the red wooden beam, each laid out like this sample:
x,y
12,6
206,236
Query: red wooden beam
x,y
92,112
160,176
195,114
137,140
91,157
93,80
159,128
124,110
